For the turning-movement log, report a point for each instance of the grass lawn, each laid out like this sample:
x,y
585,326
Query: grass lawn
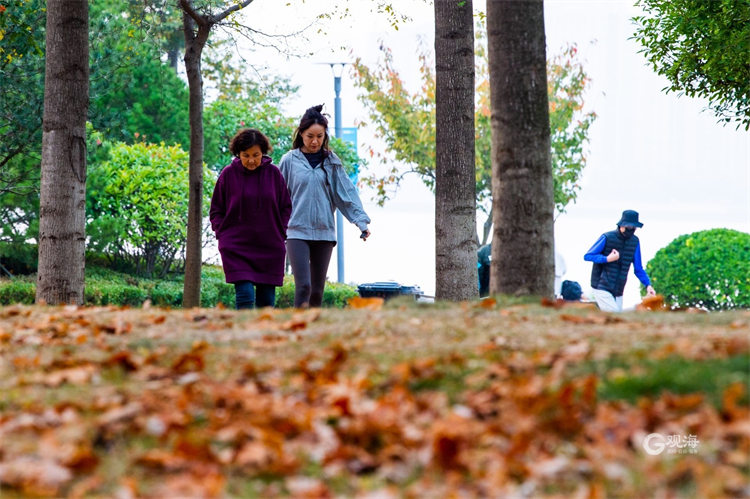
x,y
483,399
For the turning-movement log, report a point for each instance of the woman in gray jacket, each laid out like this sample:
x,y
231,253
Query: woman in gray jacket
x,y
318,184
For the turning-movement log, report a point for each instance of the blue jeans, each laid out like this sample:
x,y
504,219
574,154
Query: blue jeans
x,y
250,295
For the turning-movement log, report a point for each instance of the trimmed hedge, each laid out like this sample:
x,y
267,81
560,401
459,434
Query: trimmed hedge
x,y
19,290
709,269
108,287
335,295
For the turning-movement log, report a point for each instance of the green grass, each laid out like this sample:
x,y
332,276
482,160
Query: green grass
x,y
649,377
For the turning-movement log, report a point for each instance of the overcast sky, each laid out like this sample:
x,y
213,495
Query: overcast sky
x,y
660,154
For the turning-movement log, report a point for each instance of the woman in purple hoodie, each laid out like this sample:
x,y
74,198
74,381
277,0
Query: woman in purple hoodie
x,y
250,210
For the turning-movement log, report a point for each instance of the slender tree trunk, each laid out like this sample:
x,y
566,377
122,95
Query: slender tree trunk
x,y
455,184
522,189
62,201
195,40
194,43
486,229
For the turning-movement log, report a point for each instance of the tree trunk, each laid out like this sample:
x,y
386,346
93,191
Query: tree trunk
x,y
194,43
62,201
522,189
455,183
486,229
195,40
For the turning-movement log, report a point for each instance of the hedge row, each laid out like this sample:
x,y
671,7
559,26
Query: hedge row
x,y
106,287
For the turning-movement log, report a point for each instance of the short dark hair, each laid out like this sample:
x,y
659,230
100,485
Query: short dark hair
x,y
313,116
247,138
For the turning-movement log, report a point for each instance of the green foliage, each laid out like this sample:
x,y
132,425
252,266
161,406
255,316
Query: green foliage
x,y
708,269
19,290
569,125
214,288
349,158
109,287
137,205
18,258
22,30
334,295
224,117
703,49
134,95
406,122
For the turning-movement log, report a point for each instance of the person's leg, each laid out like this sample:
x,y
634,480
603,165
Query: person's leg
x,y
320,257
606,301
265,295
618,303
244,295
298,252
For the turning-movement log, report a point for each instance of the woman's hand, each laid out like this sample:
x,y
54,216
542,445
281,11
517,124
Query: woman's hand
x,y
365,234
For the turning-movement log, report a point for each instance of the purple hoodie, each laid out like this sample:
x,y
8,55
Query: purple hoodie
x,y
249,215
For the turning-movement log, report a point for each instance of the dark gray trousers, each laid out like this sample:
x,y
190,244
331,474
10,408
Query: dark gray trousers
x,y
309,261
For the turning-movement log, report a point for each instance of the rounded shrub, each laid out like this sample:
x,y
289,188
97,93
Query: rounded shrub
x,y
709,269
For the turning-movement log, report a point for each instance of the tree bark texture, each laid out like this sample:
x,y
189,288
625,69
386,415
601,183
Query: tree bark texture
x,y
195,40
455,182
522,188
62,202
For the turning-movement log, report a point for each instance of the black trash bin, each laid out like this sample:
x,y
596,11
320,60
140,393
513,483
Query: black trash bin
x,y
387,290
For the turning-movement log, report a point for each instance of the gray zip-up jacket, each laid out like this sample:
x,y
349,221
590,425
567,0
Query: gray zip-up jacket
x,y
316,193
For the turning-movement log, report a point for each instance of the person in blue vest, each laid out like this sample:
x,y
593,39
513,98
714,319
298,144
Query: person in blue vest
x,y
612,255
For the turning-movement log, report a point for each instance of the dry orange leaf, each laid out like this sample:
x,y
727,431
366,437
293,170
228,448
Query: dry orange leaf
x,y
652,303
188,362
373,303
488,303
35,476
546,302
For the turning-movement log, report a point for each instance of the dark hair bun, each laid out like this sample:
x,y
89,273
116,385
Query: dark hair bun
x,y
314,112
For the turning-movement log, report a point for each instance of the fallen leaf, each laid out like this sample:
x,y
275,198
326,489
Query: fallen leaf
x,y
37,476
188,362
374,303
655,302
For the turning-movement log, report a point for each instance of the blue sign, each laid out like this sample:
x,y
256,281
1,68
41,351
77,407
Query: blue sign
x,y
349,135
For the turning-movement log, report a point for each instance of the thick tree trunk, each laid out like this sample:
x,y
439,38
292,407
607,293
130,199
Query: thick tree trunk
x,y
455,183
62,202
522,189
194,43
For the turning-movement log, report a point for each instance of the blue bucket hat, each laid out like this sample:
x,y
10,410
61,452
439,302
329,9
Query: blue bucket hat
x,y
629,218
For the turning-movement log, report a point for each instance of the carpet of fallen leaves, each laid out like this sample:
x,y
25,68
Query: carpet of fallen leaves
x,y
405,400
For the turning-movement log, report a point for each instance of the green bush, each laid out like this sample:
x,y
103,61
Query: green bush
x,y
109,287
708,269
17,291
104,293
335,294
137,203
167,294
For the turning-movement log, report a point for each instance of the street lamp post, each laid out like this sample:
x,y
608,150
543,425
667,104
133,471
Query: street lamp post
x,y
338,70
